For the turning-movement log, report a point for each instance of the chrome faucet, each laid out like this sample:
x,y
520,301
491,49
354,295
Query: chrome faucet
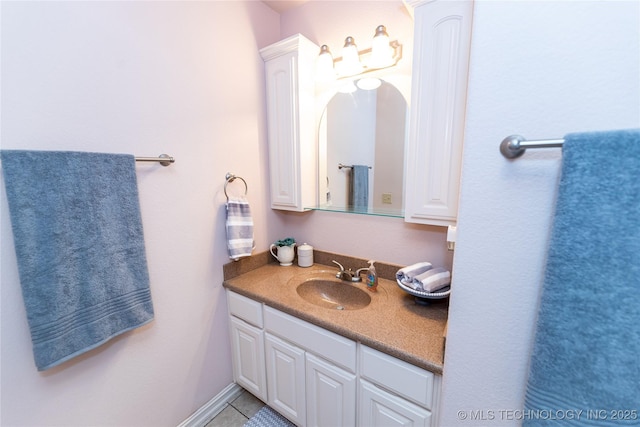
x,y
349,275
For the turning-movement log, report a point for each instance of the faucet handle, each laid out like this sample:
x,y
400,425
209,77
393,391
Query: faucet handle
x,y
356,276
360,270
342,273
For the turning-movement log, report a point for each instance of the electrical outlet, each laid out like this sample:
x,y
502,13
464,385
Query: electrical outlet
x,y
386,198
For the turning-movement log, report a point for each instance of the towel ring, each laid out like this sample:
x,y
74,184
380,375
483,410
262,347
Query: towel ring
x,y
230,178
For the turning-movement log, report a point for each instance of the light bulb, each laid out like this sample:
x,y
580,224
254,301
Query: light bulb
x,y
381,52
350,63
324,65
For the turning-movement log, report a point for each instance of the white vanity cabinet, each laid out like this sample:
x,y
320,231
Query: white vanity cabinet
x,y
442,41
307,389
310,372
290,87
315,377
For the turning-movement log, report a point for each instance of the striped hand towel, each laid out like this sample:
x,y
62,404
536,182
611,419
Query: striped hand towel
x,y
239,228
432,280
408,273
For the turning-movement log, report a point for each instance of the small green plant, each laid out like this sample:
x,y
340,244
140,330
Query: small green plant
x,y
285,242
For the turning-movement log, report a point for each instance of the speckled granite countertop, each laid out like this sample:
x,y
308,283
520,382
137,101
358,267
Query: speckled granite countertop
x,y
391,323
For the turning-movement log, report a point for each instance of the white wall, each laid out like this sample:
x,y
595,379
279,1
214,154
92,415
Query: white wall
x,y
539,69
184,78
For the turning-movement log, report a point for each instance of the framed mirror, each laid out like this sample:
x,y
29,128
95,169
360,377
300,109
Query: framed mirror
x,y
361,141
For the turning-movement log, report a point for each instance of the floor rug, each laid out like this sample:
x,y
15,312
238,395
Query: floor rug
x,y
267,417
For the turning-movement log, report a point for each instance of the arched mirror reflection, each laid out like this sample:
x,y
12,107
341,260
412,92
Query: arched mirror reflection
x,y
361,150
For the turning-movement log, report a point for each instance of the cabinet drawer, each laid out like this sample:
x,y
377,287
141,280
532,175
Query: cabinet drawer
x,y
379,408
245,308
333,347
406,380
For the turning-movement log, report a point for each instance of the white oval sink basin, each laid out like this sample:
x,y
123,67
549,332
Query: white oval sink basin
x,y
333,294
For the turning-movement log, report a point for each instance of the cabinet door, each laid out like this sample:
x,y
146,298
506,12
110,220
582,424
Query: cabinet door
x,y
282,113
379,408
331,394
289,73
442,40
285,378
247,347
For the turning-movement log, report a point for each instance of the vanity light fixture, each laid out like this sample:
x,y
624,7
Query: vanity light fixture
x,y
382,54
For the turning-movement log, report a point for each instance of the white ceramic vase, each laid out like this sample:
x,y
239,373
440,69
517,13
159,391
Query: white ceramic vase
x,y
284,254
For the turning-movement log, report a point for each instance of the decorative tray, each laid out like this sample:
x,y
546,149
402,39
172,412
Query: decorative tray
x,y
442,293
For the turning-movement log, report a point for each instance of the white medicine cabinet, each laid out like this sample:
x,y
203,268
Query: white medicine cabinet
x,y
442,42
433,154
290,83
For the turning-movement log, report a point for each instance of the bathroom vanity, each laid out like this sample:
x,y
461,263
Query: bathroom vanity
x,y
364,364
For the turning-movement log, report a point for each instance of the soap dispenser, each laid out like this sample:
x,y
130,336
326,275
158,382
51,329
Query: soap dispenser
x,y
372,278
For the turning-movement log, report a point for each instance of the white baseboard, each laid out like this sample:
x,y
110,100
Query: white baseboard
x,y
213,407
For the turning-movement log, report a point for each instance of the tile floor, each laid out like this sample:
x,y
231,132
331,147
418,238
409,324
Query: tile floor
x,y
238,412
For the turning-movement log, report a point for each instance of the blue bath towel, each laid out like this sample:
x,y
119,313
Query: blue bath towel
x,y
80,249
586,354
358,197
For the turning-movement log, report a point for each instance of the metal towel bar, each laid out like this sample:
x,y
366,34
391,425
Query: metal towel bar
x,y
164,159
514,146
341,166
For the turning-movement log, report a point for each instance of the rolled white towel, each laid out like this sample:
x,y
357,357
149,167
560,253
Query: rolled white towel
x,y
432,280
407,274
